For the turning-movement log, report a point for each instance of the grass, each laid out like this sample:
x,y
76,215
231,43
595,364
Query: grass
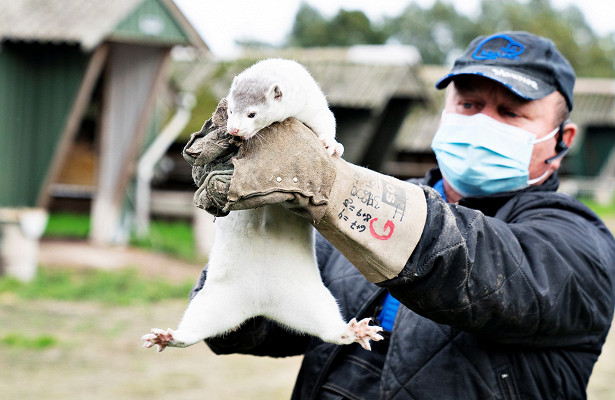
x,y
170,237
603,210
68,226
124,287
25,342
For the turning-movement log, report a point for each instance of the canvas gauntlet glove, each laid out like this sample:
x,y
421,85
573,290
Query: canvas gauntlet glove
x,y
374,220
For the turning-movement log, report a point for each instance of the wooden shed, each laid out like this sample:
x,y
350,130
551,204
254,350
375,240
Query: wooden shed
x,y
79,79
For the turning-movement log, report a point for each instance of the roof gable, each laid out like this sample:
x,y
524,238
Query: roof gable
x,y
88,22
150,21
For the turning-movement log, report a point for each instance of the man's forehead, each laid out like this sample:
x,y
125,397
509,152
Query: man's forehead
x,y
472,84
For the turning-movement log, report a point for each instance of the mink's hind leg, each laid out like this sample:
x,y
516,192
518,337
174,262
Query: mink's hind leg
x,y
313,310
212,312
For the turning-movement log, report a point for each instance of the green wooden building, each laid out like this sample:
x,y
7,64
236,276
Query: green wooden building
x,y
81,69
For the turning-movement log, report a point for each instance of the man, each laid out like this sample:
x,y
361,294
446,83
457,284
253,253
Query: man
x,y
488,283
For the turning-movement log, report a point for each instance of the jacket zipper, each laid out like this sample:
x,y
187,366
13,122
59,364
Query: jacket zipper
x,y
508,385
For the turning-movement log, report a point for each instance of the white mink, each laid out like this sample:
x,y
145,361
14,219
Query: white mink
x,y
263,264
275,89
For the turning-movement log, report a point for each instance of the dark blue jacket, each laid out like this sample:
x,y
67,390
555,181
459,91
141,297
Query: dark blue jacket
x,y
505,297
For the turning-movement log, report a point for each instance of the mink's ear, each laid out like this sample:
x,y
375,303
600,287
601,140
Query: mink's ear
x,y
275,92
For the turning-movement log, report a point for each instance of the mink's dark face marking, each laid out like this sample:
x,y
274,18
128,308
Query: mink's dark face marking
x,y
250,92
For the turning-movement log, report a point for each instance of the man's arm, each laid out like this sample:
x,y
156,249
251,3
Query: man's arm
x,y
544,277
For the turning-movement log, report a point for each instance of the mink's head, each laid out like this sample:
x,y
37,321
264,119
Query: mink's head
x,y
253,103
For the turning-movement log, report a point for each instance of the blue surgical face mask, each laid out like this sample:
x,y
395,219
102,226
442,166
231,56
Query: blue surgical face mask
x,y
479,156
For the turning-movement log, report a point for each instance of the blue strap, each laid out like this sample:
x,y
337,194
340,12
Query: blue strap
x,y
388,313
439,187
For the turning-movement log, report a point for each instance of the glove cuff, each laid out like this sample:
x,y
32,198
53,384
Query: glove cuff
x,y
374,220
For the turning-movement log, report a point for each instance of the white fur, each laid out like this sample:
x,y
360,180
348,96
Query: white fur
x,y
273,90
263,264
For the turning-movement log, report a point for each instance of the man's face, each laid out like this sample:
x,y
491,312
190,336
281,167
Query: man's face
x,y
471,95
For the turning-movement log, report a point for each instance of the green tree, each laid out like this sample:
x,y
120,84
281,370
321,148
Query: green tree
x,y
440,33
437,32
310,28
347,28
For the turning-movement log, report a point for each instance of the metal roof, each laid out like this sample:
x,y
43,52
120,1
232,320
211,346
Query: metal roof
x,y
346,82
421,123
365,86
84,22
594,102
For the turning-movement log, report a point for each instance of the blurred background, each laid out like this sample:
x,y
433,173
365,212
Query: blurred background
x,y
99,239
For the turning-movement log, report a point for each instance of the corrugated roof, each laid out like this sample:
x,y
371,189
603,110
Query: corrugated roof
x,y
346,83
366,86
84,22
594,102
421,123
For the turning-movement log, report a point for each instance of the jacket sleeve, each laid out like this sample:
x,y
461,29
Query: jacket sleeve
x,y
539,273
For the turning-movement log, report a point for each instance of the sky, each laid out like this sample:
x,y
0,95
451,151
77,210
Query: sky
x,y
221,22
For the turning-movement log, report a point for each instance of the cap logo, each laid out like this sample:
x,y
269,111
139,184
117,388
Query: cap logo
x,y
498,46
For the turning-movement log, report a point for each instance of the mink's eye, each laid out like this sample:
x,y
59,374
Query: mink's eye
x,y
252,115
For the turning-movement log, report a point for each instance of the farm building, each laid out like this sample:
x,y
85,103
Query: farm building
x,y
80,80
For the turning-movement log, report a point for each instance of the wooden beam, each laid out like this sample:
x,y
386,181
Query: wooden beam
x,y
93,71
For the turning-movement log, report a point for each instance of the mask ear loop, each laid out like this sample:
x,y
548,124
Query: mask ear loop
x,y
560,147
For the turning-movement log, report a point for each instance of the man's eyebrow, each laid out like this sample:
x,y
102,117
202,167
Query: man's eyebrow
x,y
466,88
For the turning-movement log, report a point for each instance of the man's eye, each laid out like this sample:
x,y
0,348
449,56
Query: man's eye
x,y
252,115
467,106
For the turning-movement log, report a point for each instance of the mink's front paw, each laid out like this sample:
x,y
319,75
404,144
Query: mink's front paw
x,y
333,147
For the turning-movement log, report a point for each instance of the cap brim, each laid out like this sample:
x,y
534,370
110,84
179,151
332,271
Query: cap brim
x,y
522,85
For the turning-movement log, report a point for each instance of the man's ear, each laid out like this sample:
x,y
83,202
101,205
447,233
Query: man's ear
x,y
570,131
275,92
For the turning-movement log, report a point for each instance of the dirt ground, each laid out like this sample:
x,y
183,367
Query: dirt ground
x,y
98,353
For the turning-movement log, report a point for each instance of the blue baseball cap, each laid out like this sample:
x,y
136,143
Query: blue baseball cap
x,y
529,65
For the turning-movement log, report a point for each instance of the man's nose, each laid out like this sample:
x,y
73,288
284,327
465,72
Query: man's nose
x,y
492,112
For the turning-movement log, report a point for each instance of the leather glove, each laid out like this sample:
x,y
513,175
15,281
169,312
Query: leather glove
x,y
374,220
